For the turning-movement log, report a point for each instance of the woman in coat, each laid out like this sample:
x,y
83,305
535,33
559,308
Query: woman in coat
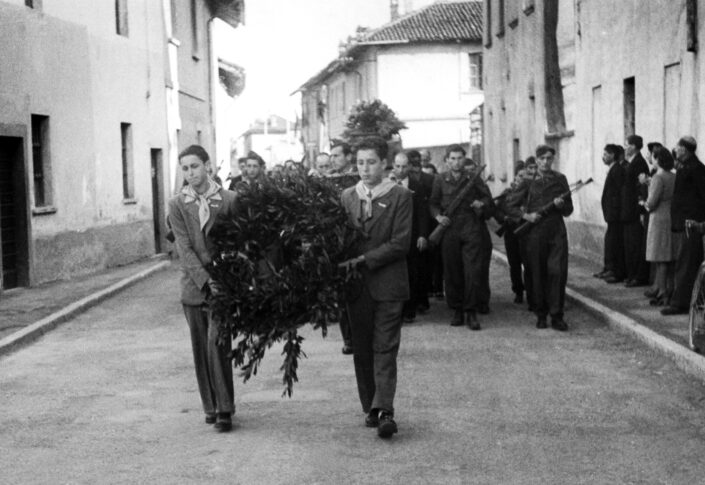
x,y
658,240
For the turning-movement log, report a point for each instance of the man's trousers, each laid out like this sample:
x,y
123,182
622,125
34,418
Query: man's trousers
x,y
614,249
376,333
513,249
464,265
688,252
214,371
634,252
547,252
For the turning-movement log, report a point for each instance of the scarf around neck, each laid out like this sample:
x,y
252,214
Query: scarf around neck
x,y
202,200
368,195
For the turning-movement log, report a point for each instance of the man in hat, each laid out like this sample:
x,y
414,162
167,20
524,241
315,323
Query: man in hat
x,y
687,208
547,240
466,238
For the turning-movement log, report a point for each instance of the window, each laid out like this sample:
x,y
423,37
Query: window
x,y
121,17
40,160
488,23
476,70
29,3
194,30
128,190
629,106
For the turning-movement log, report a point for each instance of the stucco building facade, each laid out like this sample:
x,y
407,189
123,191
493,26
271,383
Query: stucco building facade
x,y
426,66
85,134
579,74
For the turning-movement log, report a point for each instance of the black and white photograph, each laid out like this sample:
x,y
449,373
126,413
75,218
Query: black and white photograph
x,y
352,242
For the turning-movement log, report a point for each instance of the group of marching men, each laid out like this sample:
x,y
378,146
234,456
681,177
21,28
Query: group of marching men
x,y
395,211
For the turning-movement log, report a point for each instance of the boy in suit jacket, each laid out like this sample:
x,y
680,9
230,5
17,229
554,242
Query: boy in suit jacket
x,y
192,213
614,270
382,210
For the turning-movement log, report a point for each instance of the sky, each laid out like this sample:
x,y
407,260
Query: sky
x,y
285,42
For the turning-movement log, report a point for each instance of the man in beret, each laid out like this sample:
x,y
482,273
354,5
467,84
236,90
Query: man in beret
x,y
687,208
547,240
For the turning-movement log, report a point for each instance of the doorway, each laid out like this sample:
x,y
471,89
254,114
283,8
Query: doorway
x,y
157,199
14,239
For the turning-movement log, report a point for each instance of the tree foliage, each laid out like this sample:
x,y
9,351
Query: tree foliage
x,y
372,118
276,268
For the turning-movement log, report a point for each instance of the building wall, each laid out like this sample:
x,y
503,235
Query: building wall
x,y
601,43
68,63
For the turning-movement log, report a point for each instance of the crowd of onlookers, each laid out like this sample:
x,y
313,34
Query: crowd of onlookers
x,y
655,213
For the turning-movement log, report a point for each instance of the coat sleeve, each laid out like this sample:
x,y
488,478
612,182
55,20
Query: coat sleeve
x,y
568,206
516,199
398,244
655,194
184,246
485,196
436,196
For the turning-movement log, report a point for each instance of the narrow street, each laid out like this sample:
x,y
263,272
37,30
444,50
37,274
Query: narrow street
x,y
111,398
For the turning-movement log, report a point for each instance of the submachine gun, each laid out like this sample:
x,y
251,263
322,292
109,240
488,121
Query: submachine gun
x,y
545,210
437,234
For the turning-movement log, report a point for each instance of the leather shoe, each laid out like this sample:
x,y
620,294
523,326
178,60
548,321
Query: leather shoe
x,y
607,274
347,349
601,274
559,324
613,279
541,323
471,321
409,318
223,422
458,319
652,293
519,298
634,283
387,427
210,418
372,419
674,310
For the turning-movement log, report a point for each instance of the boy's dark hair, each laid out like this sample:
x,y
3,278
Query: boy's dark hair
x,y
636,140
613,150
651,146
530,160
196,150
375,143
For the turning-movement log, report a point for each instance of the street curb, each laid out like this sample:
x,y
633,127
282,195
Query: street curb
x,y
39,328
684,358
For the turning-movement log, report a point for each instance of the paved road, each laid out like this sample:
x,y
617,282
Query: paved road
x,y
111,398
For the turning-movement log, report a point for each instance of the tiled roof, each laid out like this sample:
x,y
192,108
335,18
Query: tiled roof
x,y
444,21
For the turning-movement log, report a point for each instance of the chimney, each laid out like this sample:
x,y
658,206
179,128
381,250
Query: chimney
x,y
394,9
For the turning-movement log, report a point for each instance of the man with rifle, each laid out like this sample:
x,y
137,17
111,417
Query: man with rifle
x,y
466,235
543,201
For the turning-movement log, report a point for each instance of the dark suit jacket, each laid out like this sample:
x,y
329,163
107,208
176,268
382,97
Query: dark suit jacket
x,y
612,194
192,244
386,241
420,226
630,190
688,194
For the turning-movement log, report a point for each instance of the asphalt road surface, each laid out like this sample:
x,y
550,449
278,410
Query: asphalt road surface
x,y
111,397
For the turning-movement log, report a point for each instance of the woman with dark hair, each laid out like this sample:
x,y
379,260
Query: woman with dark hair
x,y
659,250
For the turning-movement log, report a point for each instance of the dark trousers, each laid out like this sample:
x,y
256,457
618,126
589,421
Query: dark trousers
x,y
688,256
424,278
634,255
513,249
436,268
547,251
413,262
345,328
485,277
376,333
464,256
214,372
614,249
